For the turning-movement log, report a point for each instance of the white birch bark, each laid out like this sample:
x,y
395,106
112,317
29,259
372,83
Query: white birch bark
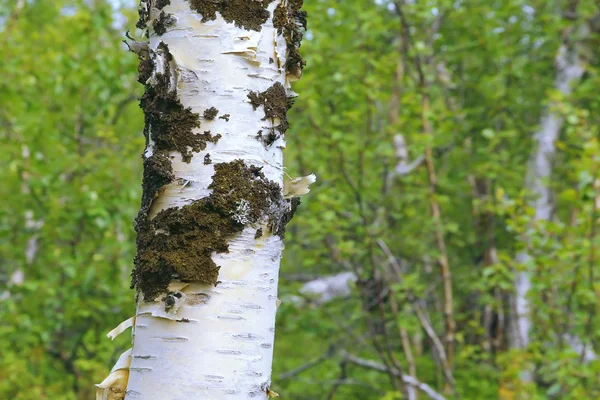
x,y
216,342
568,71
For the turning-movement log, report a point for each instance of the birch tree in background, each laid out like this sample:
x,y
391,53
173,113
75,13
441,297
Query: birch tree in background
x,y
214,208
569,70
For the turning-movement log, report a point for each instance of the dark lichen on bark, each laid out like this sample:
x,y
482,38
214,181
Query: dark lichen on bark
x,y
207,159
210,113
168,123
178,242
247,14
290,21
276,103
282,218
225,117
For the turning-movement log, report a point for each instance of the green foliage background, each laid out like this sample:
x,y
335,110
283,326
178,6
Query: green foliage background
x,y
70,173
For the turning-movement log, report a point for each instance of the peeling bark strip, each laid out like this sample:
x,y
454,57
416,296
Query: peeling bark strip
x,y
214,205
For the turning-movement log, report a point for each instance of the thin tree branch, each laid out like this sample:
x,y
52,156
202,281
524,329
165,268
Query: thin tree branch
x,y
407,379
297,371
425,323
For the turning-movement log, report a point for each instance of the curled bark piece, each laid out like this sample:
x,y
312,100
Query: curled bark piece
x,y
123,326
115,384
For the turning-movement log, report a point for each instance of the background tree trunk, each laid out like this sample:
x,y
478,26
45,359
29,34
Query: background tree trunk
x,y
569,70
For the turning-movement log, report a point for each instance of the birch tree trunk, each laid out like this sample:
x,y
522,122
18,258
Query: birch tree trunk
x,y
213,209
568,71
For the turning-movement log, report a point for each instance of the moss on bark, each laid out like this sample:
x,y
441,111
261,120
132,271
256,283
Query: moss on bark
x,y
290,21
145,69
247,14
210,113
276,104
158,172
168,123
178,242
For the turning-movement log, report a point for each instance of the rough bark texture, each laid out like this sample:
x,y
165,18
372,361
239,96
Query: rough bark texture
x,y
178,242
213,210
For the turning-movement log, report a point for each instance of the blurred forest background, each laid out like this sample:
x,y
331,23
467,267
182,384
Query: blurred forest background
x,y
418,117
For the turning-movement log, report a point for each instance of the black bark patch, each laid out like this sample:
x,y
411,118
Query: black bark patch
x,y
290,21
178,242
276,104
210,113
246,14
163,21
